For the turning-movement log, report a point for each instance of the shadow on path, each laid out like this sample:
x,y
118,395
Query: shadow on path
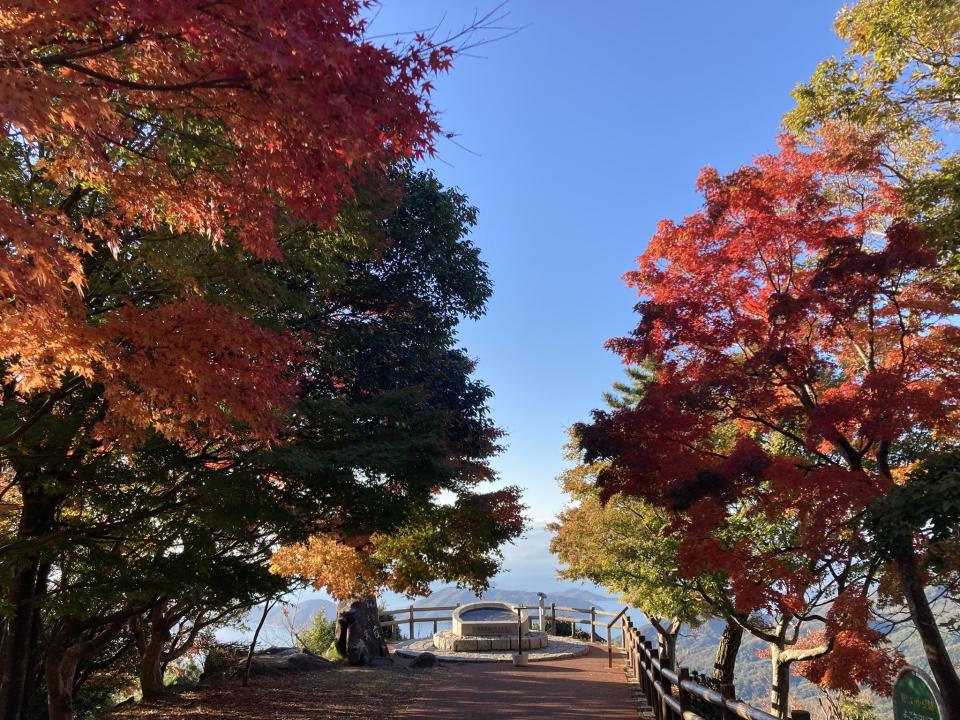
x,y
576,688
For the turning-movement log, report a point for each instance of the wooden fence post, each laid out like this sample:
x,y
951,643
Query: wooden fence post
x,y
799,715
640,667
729,693
683,695
665,665
609,649
654,680
665,685
593,621
656,701
553,614
411,621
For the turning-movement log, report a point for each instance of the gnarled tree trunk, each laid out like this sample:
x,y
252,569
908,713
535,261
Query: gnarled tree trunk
x,y
151,665
359,637
63,658
725,662
782,656
780,686
152,637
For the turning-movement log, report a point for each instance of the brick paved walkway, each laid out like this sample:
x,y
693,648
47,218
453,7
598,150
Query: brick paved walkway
x,y
552,690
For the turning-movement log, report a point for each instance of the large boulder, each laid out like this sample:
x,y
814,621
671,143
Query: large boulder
x,y
283,661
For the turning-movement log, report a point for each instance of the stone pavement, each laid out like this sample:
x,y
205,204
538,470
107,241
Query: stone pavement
x,y
580,687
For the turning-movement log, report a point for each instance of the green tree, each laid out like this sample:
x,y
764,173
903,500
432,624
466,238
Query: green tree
x,y
897,85
388,415
624,543
317,637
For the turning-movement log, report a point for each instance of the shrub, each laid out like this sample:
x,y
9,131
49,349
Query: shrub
x,y
318,636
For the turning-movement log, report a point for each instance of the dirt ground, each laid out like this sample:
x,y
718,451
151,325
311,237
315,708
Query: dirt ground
x,y
342,693
581,687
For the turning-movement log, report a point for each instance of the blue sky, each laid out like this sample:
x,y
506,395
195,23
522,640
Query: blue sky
x,y
579,134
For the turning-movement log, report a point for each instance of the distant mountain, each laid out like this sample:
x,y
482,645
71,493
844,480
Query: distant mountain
x,y
299,615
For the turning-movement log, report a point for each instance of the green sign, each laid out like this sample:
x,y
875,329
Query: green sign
x,y
915,697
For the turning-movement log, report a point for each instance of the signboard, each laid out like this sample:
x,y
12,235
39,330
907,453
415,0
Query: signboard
x,y
915,696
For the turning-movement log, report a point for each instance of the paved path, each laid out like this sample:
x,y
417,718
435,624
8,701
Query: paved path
x,y
551,690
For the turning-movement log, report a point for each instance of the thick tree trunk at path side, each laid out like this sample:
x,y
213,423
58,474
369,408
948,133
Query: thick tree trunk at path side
x,y
16,654
24,587
151,665
725,662
944,674
64,654
153,635
60,669
359,636
780,685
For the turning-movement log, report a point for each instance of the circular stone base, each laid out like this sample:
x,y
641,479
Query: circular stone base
x,y
446,641
557,649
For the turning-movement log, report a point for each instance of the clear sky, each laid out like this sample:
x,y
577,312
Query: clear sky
x,y
581,132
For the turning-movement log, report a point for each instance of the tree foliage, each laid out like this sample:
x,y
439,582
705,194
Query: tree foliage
x,y
897,84
797,309
228,324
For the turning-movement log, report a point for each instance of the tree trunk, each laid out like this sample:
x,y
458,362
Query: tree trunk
x,y
725,663
668,644
941,667
59,694
667,637
27,582
152,636
65,651
359,637
60,668
780,684
151,664
253,643
16,654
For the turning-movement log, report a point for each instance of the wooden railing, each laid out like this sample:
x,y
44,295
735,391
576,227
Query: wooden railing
x,y
413,615
669,692
412,620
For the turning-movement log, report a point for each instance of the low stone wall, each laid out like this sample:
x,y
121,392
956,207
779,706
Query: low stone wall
x,y
448,642
559,648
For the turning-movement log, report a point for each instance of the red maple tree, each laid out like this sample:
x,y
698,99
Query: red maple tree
x,y
801,335
138,121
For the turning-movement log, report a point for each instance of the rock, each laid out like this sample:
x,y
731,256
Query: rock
x,y
304,662
282,661
424,661
280,651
